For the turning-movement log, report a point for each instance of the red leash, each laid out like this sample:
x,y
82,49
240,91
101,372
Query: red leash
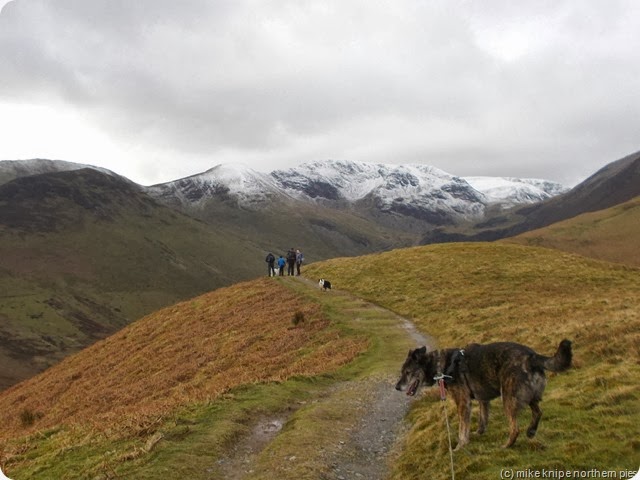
x,y
443,391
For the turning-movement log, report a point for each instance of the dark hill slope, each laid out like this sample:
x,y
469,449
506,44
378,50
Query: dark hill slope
x,y
12,169
68,200
84,253
612,234
616,183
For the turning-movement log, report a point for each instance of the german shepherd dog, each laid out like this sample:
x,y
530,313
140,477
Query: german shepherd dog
x,y
484,372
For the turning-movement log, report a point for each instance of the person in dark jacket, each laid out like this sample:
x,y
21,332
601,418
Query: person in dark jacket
x,y
271,264
291,261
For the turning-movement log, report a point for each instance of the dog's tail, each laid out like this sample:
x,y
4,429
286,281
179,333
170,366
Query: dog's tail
x,y
561,361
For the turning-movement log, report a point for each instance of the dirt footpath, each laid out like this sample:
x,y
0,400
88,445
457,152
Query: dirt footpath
x,y
363,451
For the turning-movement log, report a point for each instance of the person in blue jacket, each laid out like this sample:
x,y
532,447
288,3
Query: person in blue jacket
x,y
281,263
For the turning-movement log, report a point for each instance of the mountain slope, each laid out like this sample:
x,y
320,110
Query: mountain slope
x,y
85,253
612,234
616,183
232,182
12,169
256,207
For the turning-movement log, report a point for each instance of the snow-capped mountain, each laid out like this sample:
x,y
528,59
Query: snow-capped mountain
x,y
417,191
404,189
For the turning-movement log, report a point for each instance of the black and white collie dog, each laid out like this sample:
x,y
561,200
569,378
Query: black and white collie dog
x,y
324,284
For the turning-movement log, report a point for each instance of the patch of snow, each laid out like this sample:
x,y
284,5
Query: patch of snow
x,y
514,191
246,185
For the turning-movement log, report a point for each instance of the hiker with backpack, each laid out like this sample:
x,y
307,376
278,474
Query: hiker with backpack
x,y
271,264
291,261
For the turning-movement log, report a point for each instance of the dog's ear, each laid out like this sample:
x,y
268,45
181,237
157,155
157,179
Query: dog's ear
x,y
419,352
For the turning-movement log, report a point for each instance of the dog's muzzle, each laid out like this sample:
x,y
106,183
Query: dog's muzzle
x,y
413,387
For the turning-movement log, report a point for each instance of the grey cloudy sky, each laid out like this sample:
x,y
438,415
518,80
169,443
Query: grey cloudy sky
x,y
157,90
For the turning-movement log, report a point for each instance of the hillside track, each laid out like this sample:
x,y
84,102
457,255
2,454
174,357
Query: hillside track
x,y
360,448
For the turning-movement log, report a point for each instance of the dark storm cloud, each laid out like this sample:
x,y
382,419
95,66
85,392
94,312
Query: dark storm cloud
x,y
547,89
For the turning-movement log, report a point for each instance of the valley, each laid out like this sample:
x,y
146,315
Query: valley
x,y
86,251
163,347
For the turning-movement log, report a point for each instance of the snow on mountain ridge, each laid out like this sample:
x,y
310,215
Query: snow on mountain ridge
x,y
237,180
510,191
412,189
355,180
330,179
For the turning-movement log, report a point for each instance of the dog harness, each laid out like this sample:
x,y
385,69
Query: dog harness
x,y
453,373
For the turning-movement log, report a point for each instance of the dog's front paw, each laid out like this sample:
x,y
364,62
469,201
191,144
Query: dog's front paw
x,y
460,446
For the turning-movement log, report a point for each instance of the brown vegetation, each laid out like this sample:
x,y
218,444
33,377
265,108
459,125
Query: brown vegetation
x,y
191,352
606,234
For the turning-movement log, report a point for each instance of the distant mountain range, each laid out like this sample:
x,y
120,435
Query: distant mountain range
x,y
413,191
85,251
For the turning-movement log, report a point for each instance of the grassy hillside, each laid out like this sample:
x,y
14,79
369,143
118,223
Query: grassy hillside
x,y
606,234
102,409
170,394
462,293
84,253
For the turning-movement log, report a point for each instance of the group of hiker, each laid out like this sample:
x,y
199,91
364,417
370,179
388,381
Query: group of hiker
x,y
293,260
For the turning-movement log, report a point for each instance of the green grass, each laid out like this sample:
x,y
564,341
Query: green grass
x,y
606,235
462,293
